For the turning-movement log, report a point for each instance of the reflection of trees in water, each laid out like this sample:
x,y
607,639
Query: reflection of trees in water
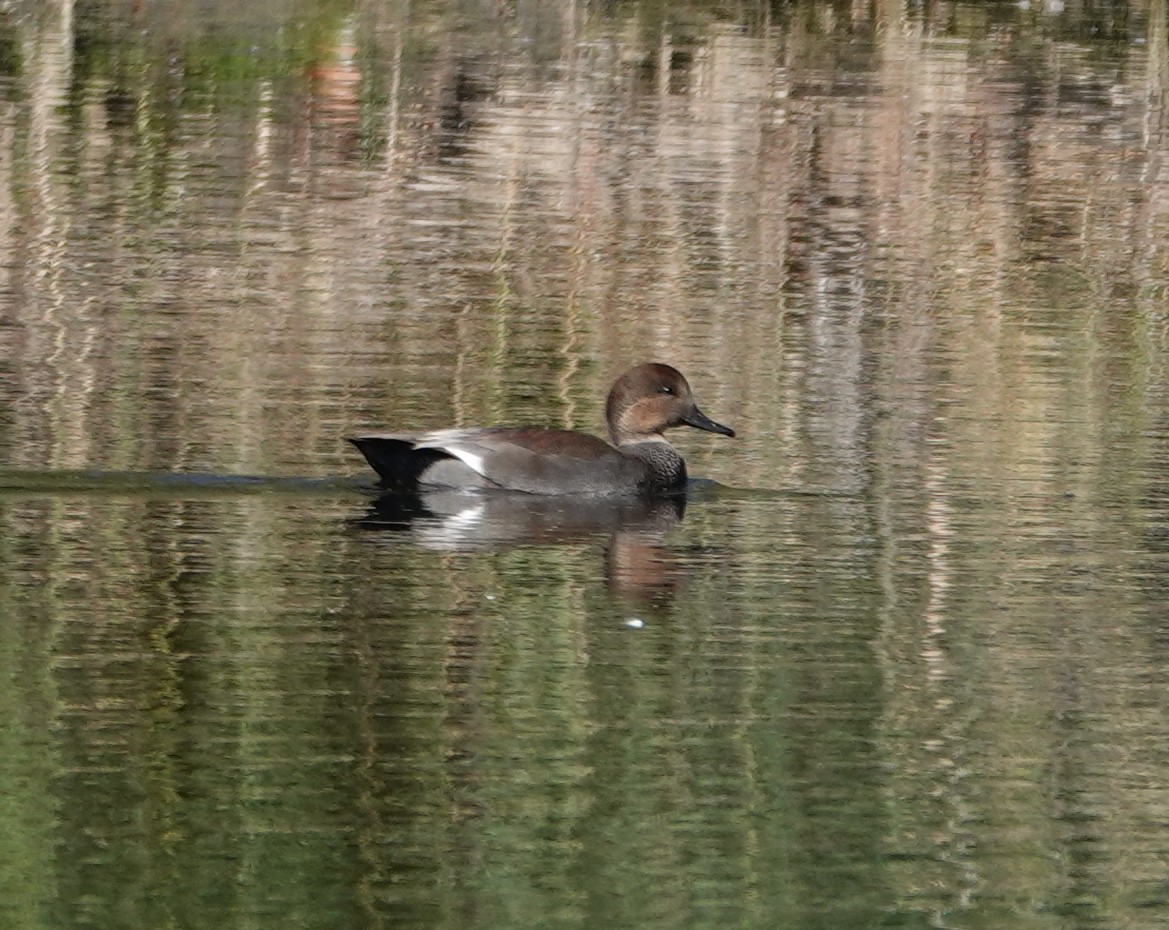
x,y
1154,515
400,212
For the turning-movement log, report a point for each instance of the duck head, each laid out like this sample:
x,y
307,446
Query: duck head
x,y
651,398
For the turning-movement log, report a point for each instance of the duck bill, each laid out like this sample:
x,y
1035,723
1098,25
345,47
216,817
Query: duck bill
x,y
700,420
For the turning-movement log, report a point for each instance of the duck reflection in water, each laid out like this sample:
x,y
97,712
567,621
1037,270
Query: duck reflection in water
x,y
482,487
637,563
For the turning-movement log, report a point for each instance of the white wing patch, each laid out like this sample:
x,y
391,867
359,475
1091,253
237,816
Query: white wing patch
x,y
467,457
455,442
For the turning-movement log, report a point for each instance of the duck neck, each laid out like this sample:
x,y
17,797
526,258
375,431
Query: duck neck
x,y
664,467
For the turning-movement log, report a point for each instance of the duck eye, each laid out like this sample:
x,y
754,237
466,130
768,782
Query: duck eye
x,y
666,389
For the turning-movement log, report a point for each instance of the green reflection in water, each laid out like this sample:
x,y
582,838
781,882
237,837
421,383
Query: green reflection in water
x,y
419,738
918,250
28,760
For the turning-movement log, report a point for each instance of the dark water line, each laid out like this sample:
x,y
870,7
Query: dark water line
x,y
702,490
39,483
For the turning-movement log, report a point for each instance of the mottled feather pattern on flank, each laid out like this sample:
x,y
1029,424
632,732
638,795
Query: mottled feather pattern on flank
x,y
533,460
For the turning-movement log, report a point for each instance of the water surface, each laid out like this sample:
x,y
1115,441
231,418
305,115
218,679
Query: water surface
x,y
903,665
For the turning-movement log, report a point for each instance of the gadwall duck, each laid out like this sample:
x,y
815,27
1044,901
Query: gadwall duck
x,y
644,402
